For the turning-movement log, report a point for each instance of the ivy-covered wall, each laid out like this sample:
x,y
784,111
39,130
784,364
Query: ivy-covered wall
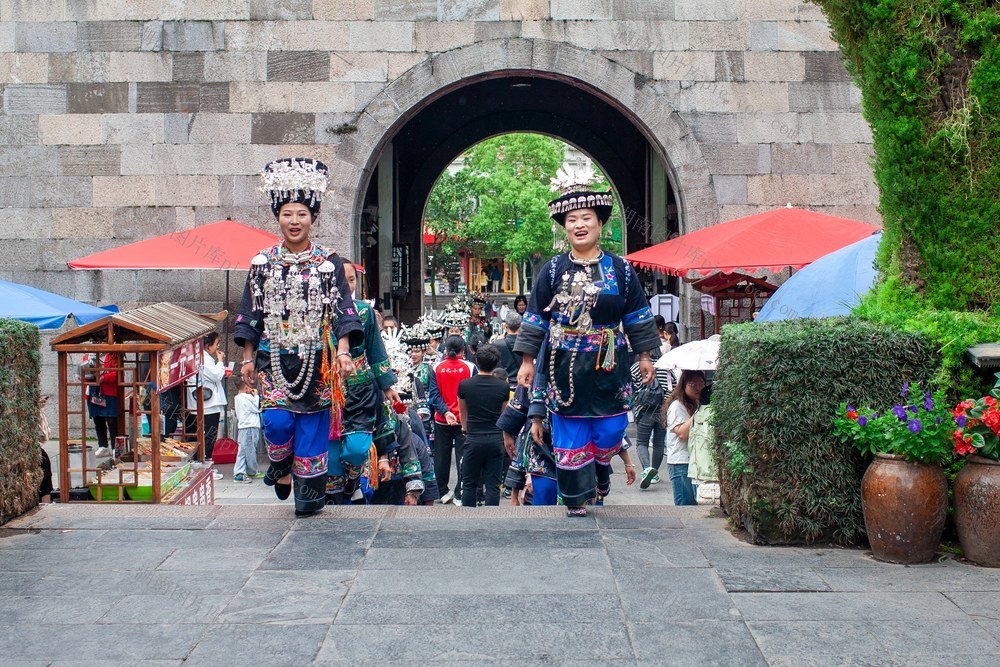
x,y
929,72
20,455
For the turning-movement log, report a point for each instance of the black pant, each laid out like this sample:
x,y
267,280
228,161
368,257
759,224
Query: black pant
x,y
170,408
107,430
446,437
482,462
211,422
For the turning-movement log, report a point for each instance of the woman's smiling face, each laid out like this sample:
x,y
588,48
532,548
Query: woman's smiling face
x,y
295,221
583,229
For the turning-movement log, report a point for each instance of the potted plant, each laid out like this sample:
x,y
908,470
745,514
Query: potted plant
x,y
977,486
904,493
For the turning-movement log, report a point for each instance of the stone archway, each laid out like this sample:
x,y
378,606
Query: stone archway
x,y
645,102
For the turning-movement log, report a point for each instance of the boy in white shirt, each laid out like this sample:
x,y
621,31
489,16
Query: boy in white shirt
x,y
248,433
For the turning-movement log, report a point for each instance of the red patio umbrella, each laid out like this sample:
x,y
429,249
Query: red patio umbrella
x,y
225,245
773,240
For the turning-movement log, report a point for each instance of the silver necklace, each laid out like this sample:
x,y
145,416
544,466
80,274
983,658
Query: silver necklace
x,y
295,305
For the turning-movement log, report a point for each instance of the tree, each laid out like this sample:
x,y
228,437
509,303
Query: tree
x,y
511,176
929,73
449,208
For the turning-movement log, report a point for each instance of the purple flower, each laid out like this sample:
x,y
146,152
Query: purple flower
x,y
906,389
928,402
937,422
862,421
850,408
899,411
960,421
914,425
912,408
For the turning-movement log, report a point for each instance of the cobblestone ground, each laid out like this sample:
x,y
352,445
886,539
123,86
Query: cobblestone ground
x,y
248,584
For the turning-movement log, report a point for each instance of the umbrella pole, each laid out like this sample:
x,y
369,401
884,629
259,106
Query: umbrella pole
x,y
225,326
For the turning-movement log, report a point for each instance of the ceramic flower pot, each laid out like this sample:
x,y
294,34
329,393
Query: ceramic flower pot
x,y
904,506
977,510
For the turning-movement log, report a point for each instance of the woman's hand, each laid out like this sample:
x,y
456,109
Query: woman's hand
x,y
536,432
646,370
629,474
345,364
384,470
509,445
410,499
391,396
248,374
526,373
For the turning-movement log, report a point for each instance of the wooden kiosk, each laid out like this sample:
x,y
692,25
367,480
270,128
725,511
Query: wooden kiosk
x,y
153,349
733,297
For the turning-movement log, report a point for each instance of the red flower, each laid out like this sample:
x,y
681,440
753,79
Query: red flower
x,y
852,414
991,418
990,401
963,443
963,448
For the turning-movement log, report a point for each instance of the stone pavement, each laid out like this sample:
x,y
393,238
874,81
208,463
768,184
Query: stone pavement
x,y
248,584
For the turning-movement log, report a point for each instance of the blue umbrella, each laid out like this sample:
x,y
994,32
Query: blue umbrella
x,y
45,309
829,286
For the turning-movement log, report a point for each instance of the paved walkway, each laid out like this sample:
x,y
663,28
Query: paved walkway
x,y
248,584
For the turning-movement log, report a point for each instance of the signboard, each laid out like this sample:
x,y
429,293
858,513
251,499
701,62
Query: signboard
x,y
176,364
400,266
200,489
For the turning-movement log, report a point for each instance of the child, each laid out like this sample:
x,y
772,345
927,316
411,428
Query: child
x,y
248,434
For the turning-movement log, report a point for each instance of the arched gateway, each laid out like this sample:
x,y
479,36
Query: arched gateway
x,y
389,160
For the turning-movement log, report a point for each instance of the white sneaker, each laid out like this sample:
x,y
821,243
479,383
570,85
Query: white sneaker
x,y
458,502
217,475
102,451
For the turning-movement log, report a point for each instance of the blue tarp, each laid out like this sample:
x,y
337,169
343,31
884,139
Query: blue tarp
x,y
829,286
45,309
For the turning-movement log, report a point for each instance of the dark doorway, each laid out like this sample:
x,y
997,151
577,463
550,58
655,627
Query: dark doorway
x,y
430,139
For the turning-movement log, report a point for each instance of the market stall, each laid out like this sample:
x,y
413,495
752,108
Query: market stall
x,y
128,360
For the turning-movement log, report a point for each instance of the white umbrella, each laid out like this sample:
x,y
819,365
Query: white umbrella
x,y
699,355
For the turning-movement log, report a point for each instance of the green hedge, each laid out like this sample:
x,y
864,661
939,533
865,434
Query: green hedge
x,y
20,455
785,478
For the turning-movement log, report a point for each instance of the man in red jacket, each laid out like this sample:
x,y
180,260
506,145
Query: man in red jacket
x,y
445,379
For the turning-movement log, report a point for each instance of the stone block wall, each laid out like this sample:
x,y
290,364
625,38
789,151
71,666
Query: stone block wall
x,y
123,119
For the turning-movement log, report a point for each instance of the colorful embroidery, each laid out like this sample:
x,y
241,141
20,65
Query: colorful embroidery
x,y
640,315
573,459
310,466
534,320
610,285
279,452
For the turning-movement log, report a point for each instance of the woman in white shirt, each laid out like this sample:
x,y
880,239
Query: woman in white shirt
x,y
680,408
213,374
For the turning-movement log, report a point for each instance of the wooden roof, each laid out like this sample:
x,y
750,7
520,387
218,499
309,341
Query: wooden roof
x,y
164,324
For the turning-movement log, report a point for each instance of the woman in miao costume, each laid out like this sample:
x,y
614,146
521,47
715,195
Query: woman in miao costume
x,y
583,299
296,324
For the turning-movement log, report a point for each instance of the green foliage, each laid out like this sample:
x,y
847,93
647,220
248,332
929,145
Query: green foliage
x,y
497,203
510,176
20,455
917,427
786,477
929,72
449,208
951,332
